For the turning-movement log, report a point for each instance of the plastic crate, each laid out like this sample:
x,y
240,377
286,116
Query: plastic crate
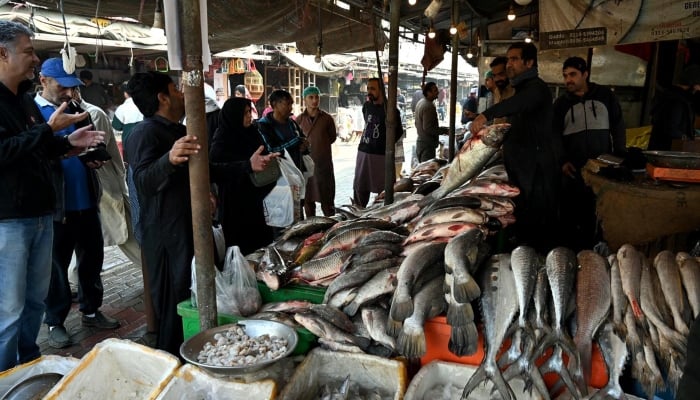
x,y
190,326
292,292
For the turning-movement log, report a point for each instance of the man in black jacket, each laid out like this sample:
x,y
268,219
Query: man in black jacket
x,y
530,150
589,119
27,195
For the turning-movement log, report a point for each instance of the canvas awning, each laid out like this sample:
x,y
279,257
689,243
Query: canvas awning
x,y
330,65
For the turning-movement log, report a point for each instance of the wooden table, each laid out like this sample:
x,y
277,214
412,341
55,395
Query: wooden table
x,y
642,211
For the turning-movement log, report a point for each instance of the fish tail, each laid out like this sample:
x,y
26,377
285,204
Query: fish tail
x,y
474,381
351,309
393,327
463,340
467,291
620,330
401,309
411,341
582,380
675,372
459,314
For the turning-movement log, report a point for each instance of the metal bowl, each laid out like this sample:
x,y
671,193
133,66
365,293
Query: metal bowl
x,y
190,348
673,159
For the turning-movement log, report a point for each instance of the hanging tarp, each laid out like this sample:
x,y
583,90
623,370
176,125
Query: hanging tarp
x,y
330,65
585,23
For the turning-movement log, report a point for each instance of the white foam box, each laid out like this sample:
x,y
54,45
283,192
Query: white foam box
x,y
322,367
192,382
117,369
42,365
442,380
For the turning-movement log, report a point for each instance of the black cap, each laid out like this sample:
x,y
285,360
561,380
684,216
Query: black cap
x,y
576,62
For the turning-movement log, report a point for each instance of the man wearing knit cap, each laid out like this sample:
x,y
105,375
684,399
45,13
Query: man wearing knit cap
x,y
589,120
320,131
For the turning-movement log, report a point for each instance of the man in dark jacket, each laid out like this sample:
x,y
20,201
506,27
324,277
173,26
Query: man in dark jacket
x,y
589,119
27,194
159,150
530,150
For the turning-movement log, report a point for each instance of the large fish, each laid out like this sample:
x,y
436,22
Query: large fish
x,y
399,212
460,256
343,241
619,301
672,287
464,336
322,328
356,276
630,262
412,267
442,231
614,352
690,274
471,159
489,188
499,307
363,222
320,268
307,226
374,320
383,282
592,306
428,303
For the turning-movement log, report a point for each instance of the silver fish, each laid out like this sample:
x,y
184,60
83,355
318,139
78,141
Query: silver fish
x,y
343,241
452,214
614,352
374,319
400,211
593,300
690,274
428,303
364,222
619,301
471,159
630,262
443,231
357,275
320,268
383,282
670,278
324,329
499,307
411,268
307,226
460,255
334,316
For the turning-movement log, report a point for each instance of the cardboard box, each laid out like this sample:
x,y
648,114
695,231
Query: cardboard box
x,y
117,369
192,382
322,367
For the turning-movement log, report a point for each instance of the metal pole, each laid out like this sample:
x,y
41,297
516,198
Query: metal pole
x,y
453,80
392,115
193,87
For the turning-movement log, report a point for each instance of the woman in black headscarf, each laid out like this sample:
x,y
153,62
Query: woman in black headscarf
x,y
237,143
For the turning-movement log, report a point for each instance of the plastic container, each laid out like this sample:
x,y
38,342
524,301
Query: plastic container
x,y
191,382
437,337
323,367
292,292
117,369
42,365
190,326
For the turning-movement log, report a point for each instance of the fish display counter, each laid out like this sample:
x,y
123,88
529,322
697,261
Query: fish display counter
x,y
643,210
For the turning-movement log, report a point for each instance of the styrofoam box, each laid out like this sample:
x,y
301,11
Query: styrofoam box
x,y
42,365
192,382
117,369
433,379
321,367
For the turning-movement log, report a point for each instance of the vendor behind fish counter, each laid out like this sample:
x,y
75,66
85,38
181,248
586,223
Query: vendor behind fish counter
x,y
530,150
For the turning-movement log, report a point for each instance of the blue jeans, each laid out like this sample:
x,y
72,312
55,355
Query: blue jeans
x,y
25,272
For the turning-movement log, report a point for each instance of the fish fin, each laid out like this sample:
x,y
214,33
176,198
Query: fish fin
x,y
583,379
351,309
465,292
393,327
402,309
474,381
411,341
464,340
460,314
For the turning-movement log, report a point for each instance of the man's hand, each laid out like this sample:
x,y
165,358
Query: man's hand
x,y
568,169
182,149
477,124
258,162
85,137
59,119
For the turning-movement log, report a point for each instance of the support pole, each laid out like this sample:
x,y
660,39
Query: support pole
x,y
193,86
453,80
392,114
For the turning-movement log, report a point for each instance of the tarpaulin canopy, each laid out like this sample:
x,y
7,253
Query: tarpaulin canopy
x,y
330,65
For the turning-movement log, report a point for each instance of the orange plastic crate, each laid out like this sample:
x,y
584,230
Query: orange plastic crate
x,y
437,337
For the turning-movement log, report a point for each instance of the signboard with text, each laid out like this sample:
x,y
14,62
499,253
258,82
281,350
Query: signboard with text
x,y
582,23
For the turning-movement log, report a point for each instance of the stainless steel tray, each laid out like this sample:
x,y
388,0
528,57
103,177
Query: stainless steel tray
x,y
673,159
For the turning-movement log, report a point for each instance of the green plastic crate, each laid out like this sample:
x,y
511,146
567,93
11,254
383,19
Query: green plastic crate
x,y
190,315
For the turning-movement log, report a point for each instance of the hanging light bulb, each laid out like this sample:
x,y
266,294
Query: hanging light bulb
x,y
528,38
511,13
431,31
453,30
469,53
318,55
411,2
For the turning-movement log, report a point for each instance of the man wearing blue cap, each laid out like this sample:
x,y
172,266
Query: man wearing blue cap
x,y
27,147
320,131
76,221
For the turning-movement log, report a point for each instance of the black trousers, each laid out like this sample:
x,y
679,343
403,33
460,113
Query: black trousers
x,y
689,386
81,232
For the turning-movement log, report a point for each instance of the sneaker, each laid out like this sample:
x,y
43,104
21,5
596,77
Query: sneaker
x,y
58,337
100,321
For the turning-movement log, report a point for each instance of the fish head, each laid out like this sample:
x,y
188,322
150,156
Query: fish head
x,y
493,135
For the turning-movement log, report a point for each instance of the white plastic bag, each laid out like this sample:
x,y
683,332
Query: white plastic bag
x,y
282,204
309,165
236,287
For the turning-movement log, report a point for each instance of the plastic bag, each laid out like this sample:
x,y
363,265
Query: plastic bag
x,y
308,165
282,204
236,287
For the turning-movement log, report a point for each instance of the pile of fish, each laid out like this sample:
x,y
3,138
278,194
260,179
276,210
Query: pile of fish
x,y
637,311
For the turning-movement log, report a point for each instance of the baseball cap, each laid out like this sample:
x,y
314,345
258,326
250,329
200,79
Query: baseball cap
x,y
53,68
